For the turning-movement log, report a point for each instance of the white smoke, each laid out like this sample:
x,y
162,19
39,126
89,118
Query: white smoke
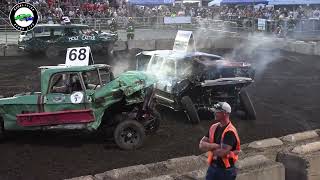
x,y
259,49
120,64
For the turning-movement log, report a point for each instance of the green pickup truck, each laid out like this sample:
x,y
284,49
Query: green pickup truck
x,y
54,39
86,98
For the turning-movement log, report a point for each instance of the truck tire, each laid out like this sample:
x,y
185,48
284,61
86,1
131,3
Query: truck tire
x,y
52,52
129,135
2,133
190,109
247,105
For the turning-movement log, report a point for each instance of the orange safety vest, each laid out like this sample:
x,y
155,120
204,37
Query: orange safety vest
x,y
232,154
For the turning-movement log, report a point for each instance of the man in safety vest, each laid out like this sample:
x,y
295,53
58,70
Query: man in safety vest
x,y
222,144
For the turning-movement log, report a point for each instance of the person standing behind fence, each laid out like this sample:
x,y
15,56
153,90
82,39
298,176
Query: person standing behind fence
x,y
130,29
113,26
223,145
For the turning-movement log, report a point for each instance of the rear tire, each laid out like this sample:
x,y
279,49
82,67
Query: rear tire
x,y
2,133
190,109
129,135
247,105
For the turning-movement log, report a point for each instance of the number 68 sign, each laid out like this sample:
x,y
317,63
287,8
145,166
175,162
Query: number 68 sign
x,y
78,56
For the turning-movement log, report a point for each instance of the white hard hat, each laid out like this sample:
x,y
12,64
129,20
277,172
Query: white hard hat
x,y
222,106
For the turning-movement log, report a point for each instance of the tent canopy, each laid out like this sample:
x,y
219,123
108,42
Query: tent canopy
x,y
191,1
244,2
150,2
215,3
292,2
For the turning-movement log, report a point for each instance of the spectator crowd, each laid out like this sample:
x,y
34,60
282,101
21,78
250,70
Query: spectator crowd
x,y
90,9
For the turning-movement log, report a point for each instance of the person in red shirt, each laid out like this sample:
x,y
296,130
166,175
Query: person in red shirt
x,y
91,7
84,6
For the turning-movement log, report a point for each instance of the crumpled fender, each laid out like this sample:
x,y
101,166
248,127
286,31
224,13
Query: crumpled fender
x,y
127,84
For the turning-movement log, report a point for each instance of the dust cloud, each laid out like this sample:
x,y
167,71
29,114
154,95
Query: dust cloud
x,y
259,49
121,64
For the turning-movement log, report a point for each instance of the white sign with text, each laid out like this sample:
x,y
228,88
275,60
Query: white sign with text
x,y
78,56
262,24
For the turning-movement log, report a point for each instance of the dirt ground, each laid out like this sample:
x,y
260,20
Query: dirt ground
x,y
285,94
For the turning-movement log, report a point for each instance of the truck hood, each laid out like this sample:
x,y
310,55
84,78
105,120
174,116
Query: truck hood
x,y
128,82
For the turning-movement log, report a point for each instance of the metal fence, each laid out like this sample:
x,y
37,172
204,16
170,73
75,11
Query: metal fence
x,y
301,28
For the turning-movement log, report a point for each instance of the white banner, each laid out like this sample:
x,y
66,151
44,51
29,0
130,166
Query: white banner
x,y
184,41
177,20
262,24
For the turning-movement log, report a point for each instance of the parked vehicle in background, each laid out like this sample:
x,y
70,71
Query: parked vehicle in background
x,y
53,39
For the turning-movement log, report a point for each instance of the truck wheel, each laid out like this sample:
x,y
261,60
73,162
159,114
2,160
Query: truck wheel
x,y
129,135
190,109
153,126
52,52
247,105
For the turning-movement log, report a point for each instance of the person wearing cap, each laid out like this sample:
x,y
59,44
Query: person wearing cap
x,y
222,144
130,29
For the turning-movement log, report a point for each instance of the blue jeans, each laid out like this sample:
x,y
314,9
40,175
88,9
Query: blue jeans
x,y
215,173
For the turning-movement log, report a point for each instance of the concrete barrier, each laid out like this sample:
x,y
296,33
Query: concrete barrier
x,y
2,50
300,136
317,49
134,172
260,166
198,174
301,162
142,44
250,169
187,163
270,170
171,166
83,178
290,46
13,50
266,143
164,177
163,44
304,48
225,42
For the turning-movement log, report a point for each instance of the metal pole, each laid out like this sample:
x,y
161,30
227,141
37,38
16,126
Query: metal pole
x,y
5,47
